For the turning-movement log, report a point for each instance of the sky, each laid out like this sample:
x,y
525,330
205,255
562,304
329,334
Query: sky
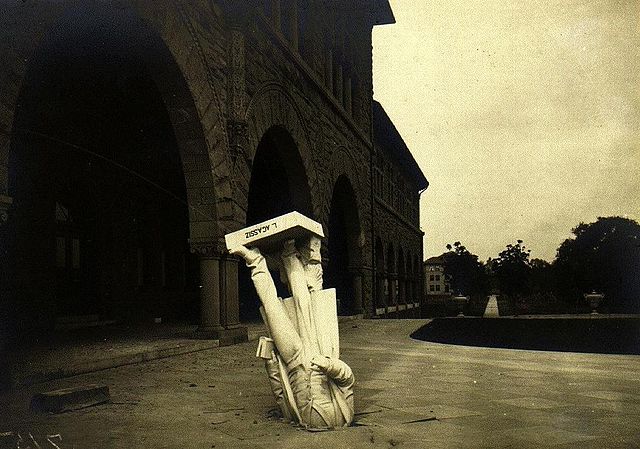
x,y
523,115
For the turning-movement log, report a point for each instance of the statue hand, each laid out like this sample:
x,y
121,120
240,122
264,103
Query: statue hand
x,y
320,363
289,248
313,275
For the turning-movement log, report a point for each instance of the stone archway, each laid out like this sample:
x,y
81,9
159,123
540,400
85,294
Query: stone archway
x,y
109,168
279,181
345,260
273,108
278,185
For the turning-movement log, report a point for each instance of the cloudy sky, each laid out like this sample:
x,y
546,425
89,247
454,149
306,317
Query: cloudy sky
x,y
523,115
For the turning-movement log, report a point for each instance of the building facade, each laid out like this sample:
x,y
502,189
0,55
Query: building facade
x,y
134,135
397,183
435,280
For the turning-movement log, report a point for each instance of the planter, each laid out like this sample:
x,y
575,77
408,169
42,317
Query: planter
x,y
594,299
460,302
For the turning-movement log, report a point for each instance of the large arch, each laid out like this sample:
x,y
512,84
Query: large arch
x,y
278,185
273,107
159,34
345,257
107,159
279,182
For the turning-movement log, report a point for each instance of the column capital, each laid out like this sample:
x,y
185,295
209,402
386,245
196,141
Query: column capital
x,y
212,249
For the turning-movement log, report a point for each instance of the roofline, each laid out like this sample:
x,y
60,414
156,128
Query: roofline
x,y
382,13
415,169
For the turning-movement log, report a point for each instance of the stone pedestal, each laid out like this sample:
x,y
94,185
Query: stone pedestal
x,y
492,310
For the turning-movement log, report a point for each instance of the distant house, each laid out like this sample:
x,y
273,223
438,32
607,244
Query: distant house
x,y
435,280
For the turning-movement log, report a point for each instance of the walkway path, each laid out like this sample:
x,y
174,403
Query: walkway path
x,y
409,394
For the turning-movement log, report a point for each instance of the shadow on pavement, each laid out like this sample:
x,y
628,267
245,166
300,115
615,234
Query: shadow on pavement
x,y
575,334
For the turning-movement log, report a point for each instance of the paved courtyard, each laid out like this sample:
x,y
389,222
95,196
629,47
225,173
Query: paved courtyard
x,y
409,394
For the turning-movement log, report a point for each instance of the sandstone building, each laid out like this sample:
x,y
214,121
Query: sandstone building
x,y
134,134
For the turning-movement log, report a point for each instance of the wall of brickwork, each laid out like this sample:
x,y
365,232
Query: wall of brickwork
x,y
398,237
284,88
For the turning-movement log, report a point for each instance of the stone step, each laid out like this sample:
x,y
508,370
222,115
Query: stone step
x,y
67,399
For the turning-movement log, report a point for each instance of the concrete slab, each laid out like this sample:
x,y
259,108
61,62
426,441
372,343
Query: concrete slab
x,y
66,399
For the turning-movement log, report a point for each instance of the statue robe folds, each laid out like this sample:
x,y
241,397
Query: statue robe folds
x,y
312,386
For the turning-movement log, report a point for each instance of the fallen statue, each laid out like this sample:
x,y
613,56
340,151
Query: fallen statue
x,y
312,386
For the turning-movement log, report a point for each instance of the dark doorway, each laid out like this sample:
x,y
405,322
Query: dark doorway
x,y
344,231
101,222
278,185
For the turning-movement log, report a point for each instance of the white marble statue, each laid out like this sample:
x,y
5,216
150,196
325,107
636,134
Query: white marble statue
x,y
312,386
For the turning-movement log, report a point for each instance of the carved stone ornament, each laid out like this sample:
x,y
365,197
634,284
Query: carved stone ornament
x,y
311,385
207,248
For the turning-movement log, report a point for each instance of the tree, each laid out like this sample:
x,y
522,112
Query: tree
x,y
465,272
541,279
512,270
603,256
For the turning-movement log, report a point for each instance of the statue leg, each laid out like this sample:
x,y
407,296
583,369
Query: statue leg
x,y
297,280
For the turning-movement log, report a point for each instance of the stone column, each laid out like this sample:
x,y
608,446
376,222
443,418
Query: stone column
x,y
412,296
234,331
210,323
356,276
381,301
402,289
219,303
393,294
368,291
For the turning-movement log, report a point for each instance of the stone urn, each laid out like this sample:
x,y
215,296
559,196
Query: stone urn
x,y
460,302
594,299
